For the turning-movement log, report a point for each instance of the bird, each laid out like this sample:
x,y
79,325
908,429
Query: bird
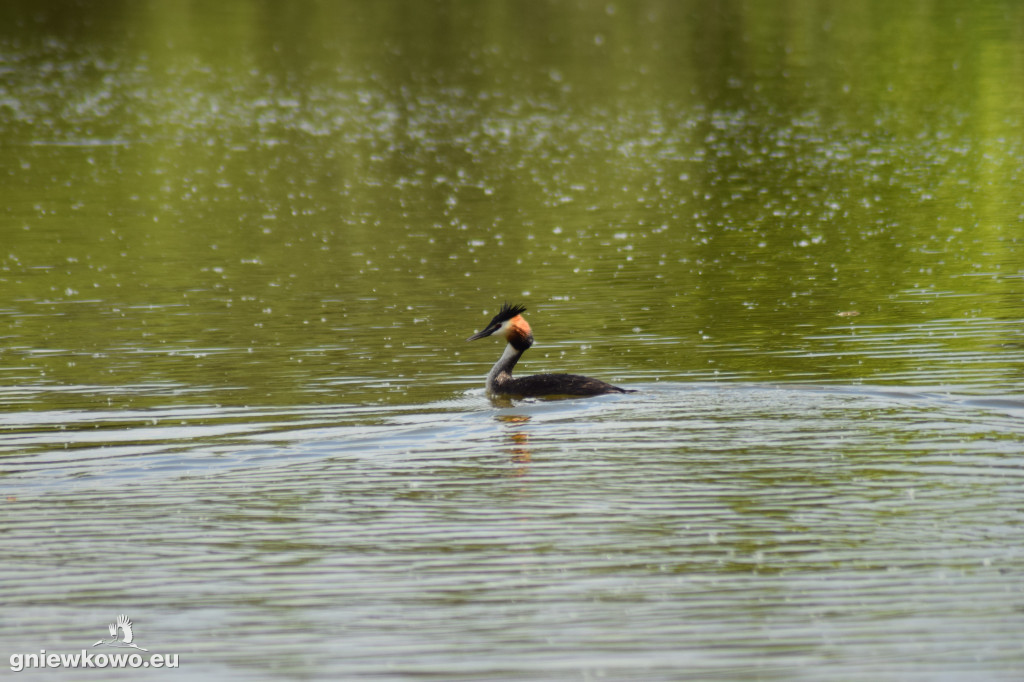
x,y
125,624
510,325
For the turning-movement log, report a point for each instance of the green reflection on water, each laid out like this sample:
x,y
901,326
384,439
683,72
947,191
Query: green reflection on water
x,y
288,203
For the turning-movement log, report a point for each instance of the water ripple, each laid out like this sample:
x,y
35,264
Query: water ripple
x,y
816,522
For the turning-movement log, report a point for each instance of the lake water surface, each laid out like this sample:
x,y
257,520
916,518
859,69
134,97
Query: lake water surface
x,y
242,246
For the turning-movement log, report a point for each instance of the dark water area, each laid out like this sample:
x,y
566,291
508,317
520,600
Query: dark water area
x,y
242,246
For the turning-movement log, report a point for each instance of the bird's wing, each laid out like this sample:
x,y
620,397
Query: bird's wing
x,y
126,628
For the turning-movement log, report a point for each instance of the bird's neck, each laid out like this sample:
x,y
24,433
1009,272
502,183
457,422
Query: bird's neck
x,y
501,373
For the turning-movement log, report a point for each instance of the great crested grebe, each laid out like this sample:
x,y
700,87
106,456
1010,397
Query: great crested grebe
x,y
510,325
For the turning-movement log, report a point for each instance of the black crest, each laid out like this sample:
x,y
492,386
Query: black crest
x,y
507,312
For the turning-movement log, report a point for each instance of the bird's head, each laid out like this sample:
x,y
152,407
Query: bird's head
x,y
509,325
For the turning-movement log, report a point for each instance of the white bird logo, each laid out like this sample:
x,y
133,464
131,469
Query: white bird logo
x,y
127,635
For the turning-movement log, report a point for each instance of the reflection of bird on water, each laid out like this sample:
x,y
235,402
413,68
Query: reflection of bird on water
x,y
510,325
519,449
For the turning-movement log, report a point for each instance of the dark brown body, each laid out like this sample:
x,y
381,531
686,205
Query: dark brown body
x,y
553,384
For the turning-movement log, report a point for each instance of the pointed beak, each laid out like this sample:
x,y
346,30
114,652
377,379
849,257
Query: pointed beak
x,y
485,333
